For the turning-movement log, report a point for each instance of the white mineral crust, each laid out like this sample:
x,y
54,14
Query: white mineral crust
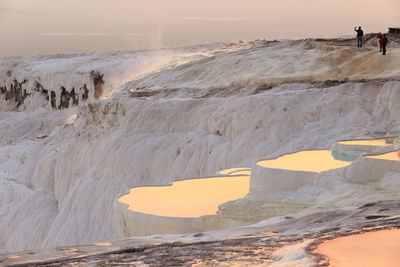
x,y
62,170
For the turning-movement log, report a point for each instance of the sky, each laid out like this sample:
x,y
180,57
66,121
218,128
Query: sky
x,y
30,27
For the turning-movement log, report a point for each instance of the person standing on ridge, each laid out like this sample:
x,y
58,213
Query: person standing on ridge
x,y
384,44
380,37
360,35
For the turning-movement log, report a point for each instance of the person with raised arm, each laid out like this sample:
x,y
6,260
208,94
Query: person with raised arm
x,y
360,35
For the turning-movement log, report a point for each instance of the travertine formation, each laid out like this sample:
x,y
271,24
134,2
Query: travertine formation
x,y
150,118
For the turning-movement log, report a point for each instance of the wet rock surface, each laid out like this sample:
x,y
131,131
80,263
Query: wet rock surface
x,y
254,245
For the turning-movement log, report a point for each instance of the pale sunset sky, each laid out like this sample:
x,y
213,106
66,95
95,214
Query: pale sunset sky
x,y
30,27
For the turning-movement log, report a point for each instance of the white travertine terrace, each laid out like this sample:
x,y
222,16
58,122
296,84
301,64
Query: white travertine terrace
x,y
183,207
362,147
236,171
174,209
214,107
373,168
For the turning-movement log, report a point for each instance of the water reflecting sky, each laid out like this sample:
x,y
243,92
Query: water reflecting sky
x,y
311,161
189,198
64,26
375,142
395,155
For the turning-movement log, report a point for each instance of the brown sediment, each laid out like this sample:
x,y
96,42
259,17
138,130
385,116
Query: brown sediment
x,y
14,93
85,92
253,248
45,93
75,97
98,83
53,99
64,99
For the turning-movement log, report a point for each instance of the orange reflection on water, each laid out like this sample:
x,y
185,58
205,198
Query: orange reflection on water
x,y
69,251
268,233
14,257
311,161
376,142
189,198
369,249
388,156
104,244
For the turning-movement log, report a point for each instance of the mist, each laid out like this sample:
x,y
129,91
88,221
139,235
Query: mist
x,y
30,27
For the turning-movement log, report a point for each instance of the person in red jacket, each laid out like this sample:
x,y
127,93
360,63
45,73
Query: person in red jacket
x,y
380,37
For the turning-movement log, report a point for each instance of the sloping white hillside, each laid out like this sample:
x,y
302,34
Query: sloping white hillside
x,y
208,108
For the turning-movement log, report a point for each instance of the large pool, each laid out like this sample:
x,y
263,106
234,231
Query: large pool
x,y
190,198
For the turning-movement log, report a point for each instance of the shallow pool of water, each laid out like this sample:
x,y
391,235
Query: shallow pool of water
x,y
311,161
189,198
379,248
375,142
395,155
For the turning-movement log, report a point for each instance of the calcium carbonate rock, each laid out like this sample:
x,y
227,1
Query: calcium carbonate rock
x,y
279,179
63,164
365,170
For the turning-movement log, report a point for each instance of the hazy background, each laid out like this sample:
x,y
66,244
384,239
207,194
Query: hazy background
x,y
29,27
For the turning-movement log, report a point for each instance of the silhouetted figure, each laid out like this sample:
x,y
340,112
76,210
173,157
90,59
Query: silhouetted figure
x,y
380,37
360,35
384,44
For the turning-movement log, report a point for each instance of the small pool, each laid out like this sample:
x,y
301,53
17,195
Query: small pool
x,y
395,155
310,161
375,142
